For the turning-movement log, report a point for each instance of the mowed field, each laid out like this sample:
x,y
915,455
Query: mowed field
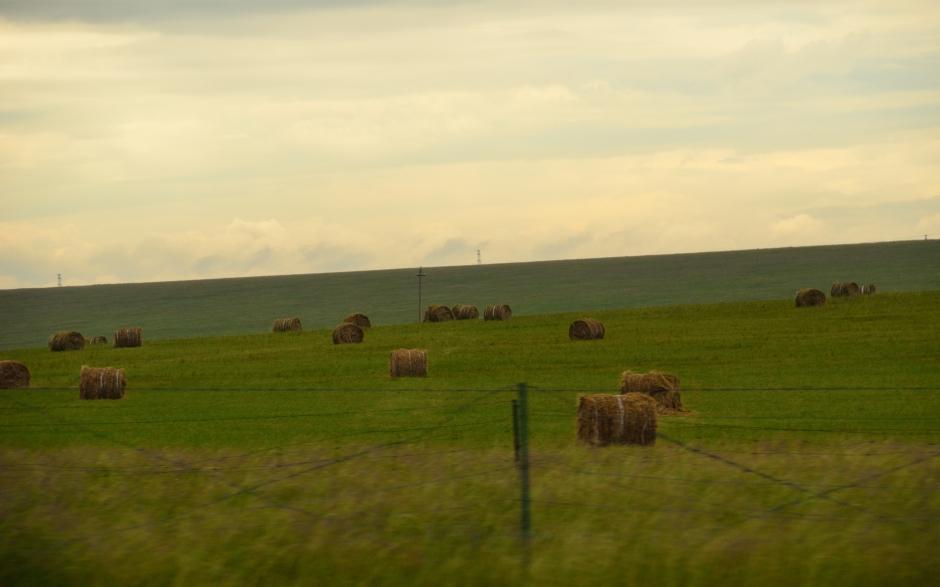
x,y
809,455
250,305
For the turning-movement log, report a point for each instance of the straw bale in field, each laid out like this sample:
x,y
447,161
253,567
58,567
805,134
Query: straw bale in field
x,y
347,333
101,383
586,329
127,337
66,340
628,418
436,313
868,289
465,312
360,320
287,325
662,387
845,289
13,374
408,363
808,297
99,340
497,312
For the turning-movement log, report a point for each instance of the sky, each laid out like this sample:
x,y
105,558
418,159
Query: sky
x,y
151,141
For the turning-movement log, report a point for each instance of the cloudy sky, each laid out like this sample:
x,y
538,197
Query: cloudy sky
x,y
207,138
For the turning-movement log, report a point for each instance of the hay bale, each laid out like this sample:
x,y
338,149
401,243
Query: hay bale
x,y
99,340
127,338
436,313
408,363
868,289
586,329
347,333
360,320
497,312
845,289
287,325
13,374
465,312
662,387
809,297
628,418
66,340
101,383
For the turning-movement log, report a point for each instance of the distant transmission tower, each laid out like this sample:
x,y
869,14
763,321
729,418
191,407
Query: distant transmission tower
x,y
479,262
59,276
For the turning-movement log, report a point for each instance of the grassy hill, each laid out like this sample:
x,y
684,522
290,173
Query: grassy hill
x,y
809,455
244,305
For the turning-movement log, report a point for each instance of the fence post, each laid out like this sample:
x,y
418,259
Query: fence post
x,y
515,430
524,503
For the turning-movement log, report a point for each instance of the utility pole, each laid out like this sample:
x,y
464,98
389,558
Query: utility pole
x,y
419,276
59,276
479,262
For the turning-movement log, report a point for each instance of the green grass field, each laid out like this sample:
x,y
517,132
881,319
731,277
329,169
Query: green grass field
x,y
809,455
250,305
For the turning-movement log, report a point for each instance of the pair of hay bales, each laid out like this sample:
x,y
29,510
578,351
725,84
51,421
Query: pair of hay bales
x,y
809,297
586,329
66,340
101,383
844,289
352,330
629,418
408,363
13,375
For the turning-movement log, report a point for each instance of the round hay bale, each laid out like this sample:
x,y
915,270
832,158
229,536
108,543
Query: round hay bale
x,y
662,387
497,312
436,313
13,374
586,329
868,289
287,325
465,312
360,320
852,289
408,363
347,333
66,340
99,340
809,297
628,418
836,290
127,338
101,383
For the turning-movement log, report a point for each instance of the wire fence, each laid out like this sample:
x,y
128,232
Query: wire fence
x,y
237,475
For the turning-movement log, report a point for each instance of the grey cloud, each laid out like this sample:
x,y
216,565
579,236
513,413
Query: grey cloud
x,y
154,10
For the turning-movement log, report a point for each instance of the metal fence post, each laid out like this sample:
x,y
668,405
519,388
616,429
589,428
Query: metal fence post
x,y
524,503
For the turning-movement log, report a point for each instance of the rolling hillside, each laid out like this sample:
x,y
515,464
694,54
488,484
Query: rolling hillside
x,y
244,305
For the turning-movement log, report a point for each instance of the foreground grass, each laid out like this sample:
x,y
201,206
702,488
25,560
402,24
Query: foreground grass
x,y
809,455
